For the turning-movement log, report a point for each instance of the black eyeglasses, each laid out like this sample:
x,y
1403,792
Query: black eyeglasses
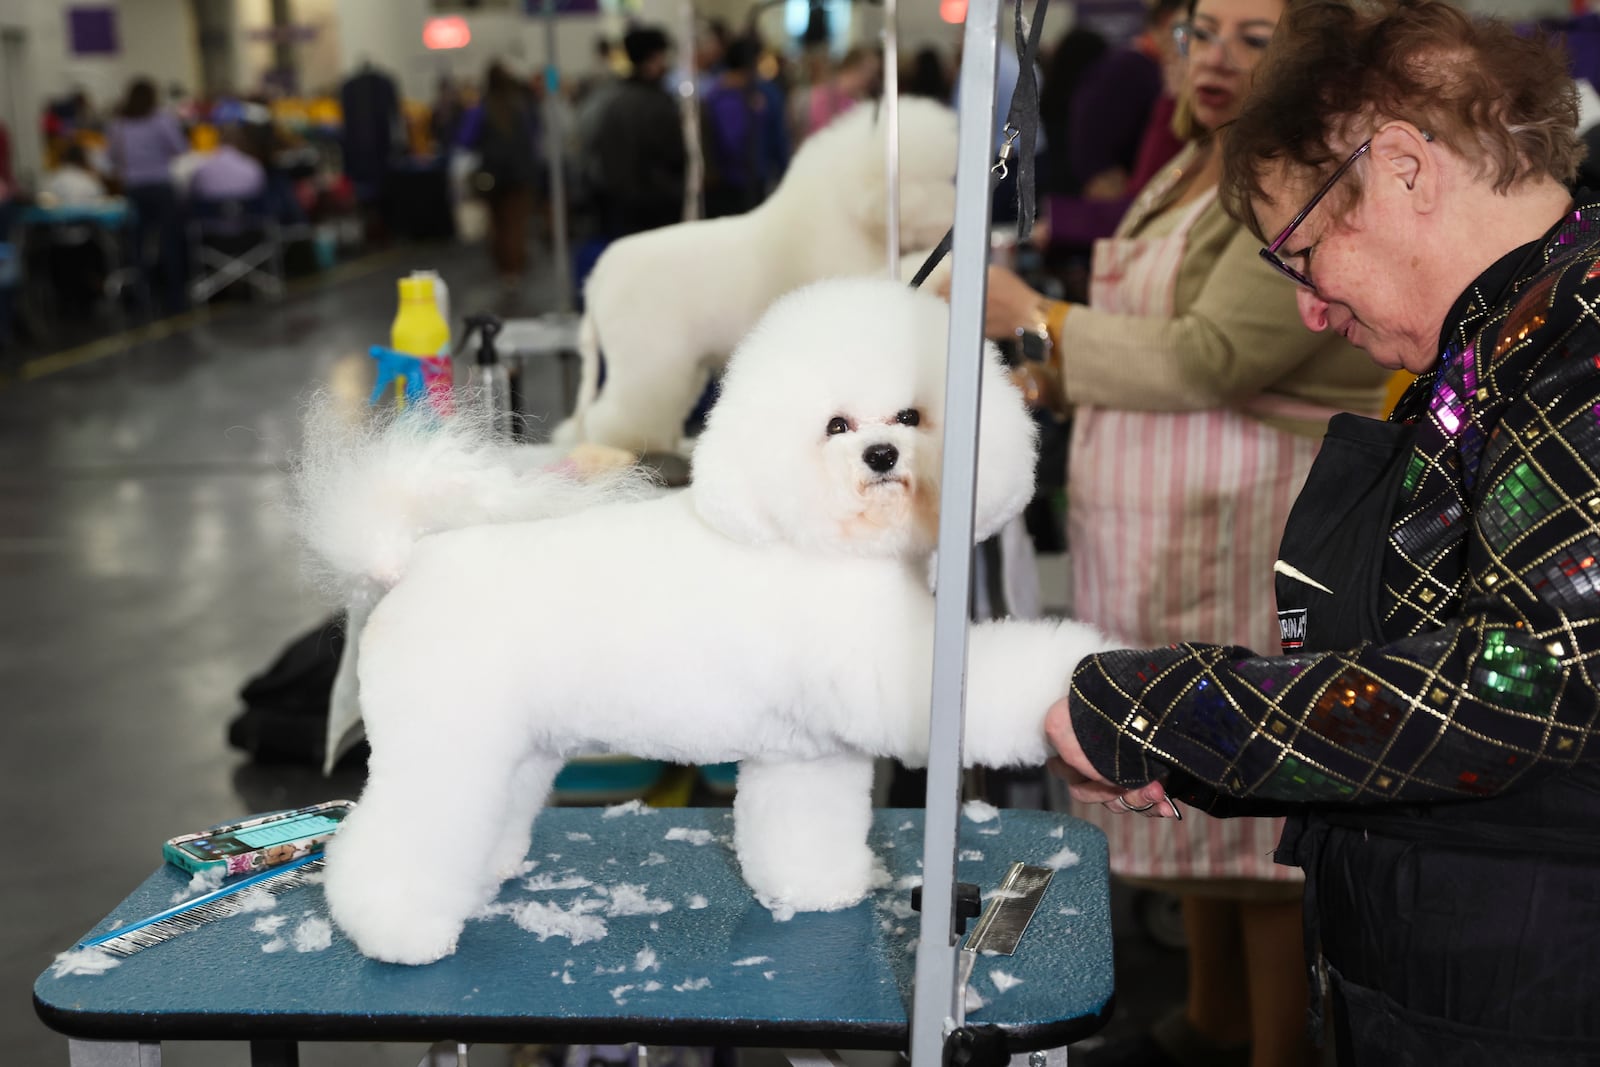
x,y
1270,253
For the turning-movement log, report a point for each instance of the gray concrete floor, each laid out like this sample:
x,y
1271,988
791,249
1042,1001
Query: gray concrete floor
x,y
147,569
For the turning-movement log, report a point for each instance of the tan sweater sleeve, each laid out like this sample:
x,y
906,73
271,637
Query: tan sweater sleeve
x,y
1236,332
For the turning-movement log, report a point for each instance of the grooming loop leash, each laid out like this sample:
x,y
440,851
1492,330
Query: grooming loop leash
x,y
1020,135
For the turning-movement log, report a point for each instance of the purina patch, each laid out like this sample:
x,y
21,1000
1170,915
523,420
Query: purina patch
x,y
1292,628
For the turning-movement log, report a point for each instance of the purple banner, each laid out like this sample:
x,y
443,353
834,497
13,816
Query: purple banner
x,y
563,7
92,31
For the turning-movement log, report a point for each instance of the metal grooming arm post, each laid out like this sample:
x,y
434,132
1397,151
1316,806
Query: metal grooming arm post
x,y
891,132
558,165
934,1005
689,114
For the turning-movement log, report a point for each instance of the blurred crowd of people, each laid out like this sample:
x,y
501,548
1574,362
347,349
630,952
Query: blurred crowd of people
x,y
755,103
1106,125
168,155
1105,128
140,171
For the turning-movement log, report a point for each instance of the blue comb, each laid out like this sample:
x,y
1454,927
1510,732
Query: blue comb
x,y
205,908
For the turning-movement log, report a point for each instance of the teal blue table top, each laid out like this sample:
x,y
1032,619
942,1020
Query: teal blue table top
x,y
671,949
105,212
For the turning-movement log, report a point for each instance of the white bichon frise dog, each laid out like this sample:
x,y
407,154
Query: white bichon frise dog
x,y
777,613
668,306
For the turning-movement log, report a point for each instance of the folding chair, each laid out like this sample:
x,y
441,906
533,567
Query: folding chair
x,y
234,241
39,231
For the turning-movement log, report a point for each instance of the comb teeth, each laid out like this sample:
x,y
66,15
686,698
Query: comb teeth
x,y
1011,910
186,917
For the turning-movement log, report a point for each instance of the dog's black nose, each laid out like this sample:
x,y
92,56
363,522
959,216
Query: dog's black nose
x,y
881,458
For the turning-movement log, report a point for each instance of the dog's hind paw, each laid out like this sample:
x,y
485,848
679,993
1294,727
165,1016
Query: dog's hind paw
x,y
833,884
785,904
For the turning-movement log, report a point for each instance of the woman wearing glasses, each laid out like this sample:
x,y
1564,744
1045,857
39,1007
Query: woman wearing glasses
x,y
1435,734
1199,401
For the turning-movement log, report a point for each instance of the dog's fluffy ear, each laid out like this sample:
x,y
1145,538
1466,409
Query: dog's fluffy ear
x,y
926,210
1008,450
927,173
728,489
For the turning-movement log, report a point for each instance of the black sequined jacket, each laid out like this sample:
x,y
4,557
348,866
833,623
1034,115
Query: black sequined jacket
x,y
1490,590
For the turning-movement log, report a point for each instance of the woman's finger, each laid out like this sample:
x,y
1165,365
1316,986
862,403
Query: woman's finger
x,y
1087,792
1149,800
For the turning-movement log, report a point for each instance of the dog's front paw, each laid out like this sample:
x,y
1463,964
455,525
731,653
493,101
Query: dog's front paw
x,y
412,939
398,908
388,922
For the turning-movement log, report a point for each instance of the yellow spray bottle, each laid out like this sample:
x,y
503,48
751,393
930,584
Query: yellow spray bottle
x,y
418,329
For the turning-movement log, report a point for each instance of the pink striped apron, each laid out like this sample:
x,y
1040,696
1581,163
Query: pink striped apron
x,y
1174,520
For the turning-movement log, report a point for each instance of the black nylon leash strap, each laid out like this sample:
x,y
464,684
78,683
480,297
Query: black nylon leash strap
x,y
1021,134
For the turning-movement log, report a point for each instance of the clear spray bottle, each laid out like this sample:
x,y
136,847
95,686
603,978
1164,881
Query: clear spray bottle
x,y
488,381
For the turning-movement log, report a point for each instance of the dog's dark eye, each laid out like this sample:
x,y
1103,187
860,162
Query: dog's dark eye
x,y
837,425
909,417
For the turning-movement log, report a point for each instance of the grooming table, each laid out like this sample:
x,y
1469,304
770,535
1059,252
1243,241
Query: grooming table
x,y
729,973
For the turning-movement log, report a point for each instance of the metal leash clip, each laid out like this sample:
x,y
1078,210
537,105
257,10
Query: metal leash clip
x,y
1011,135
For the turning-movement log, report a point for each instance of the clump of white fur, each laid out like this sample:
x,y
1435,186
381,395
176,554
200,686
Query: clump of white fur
x,y
369,485
668,306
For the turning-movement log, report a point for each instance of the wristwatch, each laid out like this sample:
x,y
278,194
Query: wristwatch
x,y
1034,339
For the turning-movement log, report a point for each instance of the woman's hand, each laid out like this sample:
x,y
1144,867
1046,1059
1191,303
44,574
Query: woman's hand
x,y
1089,786
1109,184
1012,305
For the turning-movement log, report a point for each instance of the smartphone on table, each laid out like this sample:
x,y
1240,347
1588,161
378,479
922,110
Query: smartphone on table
x,y
260,842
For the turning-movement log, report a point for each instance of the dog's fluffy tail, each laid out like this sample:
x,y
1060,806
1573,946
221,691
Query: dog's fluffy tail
x,y
366,490
570,431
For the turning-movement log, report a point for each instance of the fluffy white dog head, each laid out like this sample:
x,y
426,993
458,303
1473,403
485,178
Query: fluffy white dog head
x,y
927,173
828,431
848,157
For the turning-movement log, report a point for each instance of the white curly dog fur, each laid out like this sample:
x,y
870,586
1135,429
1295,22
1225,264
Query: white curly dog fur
x,y
669,305
776,613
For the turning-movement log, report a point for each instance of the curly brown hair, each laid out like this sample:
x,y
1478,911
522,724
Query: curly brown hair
x,y
1337,70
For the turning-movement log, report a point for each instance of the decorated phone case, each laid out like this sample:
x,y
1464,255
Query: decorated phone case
x,y
259,843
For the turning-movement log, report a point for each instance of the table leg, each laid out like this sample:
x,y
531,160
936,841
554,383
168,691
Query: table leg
x,y
814,1057
274,1054
446,1054
113,1053
571,364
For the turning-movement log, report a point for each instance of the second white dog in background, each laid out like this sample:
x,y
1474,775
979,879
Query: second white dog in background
x,y
777,613
669,305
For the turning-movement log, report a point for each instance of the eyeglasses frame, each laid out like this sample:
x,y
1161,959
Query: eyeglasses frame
x,y
1270,253
1183,38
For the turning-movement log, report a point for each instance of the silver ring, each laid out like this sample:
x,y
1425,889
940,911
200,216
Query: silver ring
x,y
1123,800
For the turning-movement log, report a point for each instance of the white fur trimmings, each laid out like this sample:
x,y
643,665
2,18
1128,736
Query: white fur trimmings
x,y
668,306
776,613
83,961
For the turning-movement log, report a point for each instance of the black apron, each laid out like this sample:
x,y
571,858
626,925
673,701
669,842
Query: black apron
x,y
1451,935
